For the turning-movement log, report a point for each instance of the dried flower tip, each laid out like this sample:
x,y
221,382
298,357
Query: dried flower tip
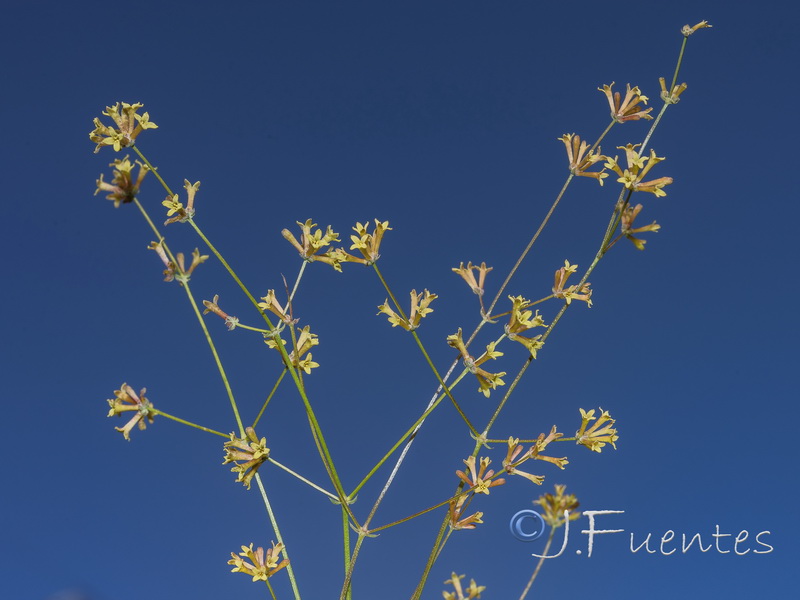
x,y
127,400
599,434
627,109
123,188
128,126
262,565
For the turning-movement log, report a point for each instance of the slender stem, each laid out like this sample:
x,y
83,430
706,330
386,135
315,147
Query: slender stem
x,y
269,397
189,423
278,535
152,169
539,564
303,479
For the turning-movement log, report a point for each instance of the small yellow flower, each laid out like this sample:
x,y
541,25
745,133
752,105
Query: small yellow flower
x,y
687,31
368,243
572,292
671,97
486,381
579,161
554,506
596,436
270,303
305,341
123,188
175,207
629,108
311,242
511,462
479,478
467,275
128,126
127,400
420,307
262,565
628,216
473,591
638,167
522,320
249,453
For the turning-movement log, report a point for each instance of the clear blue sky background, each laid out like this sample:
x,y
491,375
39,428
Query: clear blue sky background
x,y
441,117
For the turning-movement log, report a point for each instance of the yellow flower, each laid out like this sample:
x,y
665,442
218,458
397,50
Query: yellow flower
x,y
638,167
311,242
368,243
175,207
486,381
420,307
473,591
554,506
305,341
627,109
522,320
128,126
468,276
262,565
510,462
671,97
628,216
270,303
596,436
572,292
127,400
687,31
123,188
479,479
249,453
579,161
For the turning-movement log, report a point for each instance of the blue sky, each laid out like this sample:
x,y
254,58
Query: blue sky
x,y
442,118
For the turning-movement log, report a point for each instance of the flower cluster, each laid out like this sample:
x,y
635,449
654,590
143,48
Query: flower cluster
x,y
420,307
458,521
572,292
479,479
473,591
627,109
628,216
486,381
312,241
175,209
671,96
123,187
522,320
126,400
368,243
305,341
467,275
177,271
638,167
513,458
599,434
128,126
248,454
270,303
554,506
262,565
579,160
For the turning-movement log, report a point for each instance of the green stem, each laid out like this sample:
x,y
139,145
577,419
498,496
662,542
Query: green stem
x,y
269,397
278,535
303,479
189,423
539,564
